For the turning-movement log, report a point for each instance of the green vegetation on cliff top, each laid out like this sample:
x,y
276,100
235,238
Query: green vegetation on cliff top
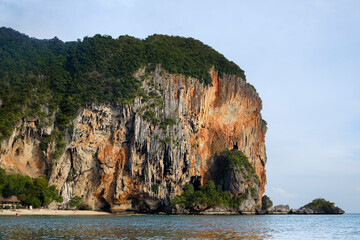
x,y
64,76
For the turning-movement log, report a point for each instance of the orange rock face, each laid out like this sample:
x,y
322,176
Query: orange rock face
x,y
119,160
227,114
21,153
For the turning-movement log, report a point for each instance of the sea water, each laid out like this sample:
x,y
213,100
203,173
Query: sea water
x,y
345,226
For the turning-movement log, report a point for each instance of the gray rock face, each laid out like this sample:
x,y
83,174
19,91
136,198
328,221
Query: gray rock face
x,y
279,209
140,155
305,210
219,210
267,204
239,183
302,211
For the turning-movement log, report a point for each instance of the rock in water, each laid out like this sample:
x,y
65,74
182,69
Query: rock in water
x,y
280,209
318,206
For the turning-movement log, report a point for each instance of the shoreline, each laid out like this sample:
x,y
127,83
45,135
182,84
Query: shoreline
x,y
49,212
27,212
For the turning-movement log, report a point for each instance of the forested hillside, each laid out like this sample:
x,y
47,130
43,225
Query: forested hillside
x,y
38,77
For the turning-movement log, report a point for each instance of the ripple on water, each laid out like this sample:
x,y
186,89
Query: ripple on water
x,y
181,227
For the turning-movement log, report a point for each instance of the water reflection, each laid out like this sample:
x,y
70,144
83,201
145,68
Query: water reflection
x,y
174,227
140,227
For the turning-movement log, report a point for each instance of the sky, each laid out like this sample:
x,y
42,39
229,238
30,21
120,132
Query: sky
x,y
303,57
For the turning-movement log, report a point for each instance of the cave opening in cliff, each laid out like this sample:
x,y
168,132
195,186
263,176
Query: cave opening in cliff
x,y
196,182
235,147
105,205
17,152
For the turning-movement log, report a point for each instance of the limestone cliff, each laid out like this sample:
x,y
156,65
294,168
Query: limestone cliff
x,y
138,156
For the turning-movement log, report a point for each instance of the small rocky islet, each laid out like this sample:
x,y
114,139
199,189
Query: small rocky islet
x,y
317,206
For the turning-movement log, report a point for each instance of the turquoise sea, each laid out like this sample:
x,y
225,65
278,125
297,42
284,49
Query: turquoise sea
x,y
345,226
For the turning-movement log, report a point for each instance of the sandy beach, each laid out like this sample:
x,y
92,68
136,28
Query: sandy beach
x,y
20,212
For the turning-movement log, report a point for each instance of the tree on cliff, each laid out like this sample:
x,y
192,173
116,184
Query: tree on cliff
x,y
78,203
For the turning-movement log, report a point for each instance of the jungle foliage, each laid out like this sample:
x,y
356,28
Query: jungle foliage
x,y
78,202
65,76
211,194
235,161
34,192
321,205
208,195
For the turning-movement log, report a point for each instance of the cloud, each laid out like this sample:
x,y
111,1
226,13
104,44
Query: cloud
x,y
357,189
282,193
